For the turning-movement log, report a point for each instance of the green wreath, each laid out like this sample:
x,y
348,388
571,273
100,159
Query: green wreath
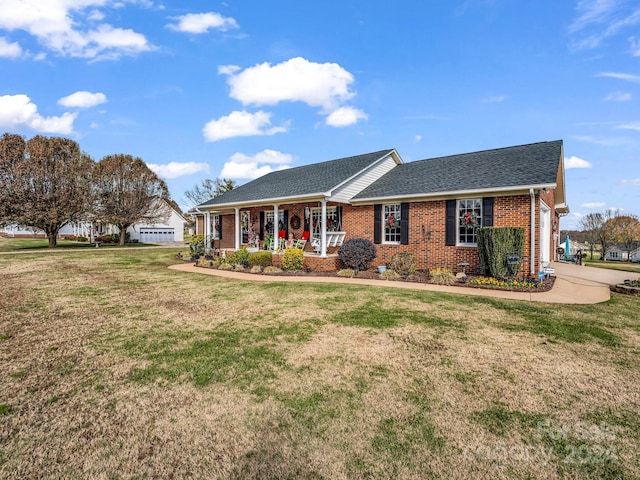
x,y
295,222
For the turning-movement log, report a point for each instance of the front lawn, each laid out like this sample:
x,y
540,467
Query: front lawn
x,y
18,244
116,367
611,265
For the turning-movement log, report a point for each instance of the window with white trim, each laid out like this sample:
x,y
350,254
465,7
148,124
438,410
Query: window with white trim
x,y
216,221
268,222
333,223
391,216
469,220
244,227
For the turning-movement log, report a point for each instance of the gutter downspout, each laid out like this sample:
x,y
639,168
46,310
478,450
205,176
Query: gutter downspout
x,y
533,231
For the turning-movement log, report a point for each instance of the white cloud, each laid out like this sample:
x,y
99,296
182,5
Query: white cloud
x,y
178,169
575,162
593,205
64,27
495,99
9,49
630,126
241,166
417,138
345,116
618,97
631,181
241,124
598,20
323,85
83,99
202,22
627,77
18,111
228,69
635,46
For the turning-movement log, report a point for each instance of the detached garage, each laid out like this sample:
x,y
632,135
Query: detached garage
x,y
157,235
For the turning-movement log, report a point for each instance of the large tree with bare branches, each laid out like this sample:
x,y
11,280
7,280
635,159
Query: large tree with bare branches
x,y
44,182
128,192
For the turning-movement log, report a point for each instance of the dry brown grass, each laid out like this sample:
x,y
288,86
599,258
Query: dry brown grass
x,y
115,367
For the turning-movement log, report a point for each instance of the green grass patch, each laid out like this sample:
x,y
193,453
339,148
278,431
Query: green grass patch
x,y
500,420
4,409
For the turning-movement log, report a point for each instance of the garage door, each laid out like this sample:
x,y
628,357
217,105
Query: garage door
x,y
156,235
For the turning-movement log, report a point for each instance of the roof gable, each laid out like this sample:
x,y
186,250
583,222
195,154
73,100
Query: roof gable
x,y
308,180
504,168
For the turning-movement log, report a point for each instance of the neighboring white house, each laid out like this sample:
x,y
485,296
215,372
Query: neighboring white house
x,y
616,253
171,230
635,255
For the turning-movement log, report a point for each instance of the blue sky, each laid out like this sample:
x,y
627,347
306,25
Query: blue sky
x,y
236,89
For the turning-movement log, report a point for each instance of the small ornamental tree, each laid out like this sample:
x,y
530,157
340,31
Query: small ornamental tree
x,y
495,244
357,253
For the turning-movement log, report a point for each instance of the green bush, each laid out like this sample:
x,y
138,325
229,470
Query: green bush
x,y
357,253
442,276
82,239
239,257
260,259
403,263
196,245
495,244
293,259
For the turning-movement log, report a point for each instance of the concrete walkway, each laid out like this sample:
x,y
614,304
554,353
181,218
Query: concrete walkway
x,y
568,288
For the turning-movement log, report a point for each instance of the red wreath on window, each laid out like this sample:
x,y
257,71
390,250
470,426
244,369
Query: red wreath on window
x,y
391,220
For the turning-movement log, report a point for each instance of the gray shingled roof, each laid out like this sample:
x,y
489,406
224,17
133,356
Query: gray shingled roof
x,y
523,165
306,180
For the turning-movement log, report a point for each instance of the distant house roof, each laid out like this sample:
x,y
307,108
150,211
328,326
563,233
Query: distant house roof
x,y
509,168
307,181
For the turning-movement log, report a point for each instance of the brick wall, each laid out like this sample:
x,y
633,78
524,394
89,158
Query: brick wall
x,y
426,231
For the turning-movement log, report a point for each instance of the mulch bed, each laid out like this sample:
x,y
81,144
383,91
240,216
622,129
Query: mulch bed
x,y
418,277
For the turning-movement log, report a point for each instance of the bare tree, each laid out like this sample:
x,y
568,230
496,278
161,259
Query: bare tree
x,y
128,192
208,189
606,234
591,225
45,183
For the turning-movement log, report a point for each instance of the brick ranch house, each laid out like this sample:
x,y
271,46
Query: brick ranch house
x,y
431,208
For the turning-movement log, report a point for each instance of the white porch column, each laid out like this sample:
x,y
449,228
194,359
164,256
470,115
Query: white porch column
x,y
207,232
276,240
323,229
237,229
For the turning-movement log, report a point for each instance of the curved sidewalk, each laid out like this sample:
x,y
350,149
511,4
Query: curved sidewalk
x,y
567,290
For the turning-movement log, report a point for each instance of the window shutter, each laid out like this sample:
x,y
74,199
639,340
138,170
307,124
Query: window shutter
x,y
487,212
450,231
404,224
262,225
377,223
219,227
339,216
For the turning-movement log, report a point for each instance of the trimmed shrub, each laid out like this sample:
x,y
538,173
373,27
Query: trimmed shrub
x,y
403,263
239,257
196,245
260,259
442,276
357,253
256,269
346,272
495,244
292,259
82,239
225,266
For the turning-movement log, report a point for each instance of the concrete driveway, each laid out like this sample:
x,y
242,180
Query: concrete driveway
x,y
592,274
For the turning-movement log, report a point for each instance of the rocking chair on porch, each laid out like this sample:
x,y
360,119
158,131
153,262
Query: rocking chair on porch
x,y
302,241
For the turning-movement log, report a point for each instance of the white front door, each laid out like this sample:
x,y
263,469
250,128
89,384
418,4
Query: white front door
x,y
545,234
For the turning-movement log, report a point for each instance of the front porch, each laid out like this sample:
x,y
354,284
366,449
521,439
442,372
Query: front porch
x,y
315,227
